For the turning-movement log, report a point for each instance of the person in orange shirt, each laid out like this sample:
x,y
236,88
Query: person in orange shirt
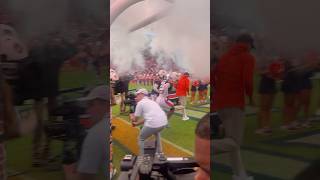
x,y
233,81
182,90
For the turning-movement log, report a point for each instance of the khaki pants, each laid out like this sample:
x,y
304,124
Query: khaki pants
x,y
183,102
233,123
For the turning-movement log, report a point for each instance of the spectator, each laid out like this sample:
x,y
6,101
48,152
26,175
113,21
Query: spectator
x,y
267,91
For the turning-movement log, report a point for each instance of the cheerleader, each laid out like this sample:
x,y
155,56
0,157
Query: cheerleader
x,y
305,89
290,90
267,91
204,92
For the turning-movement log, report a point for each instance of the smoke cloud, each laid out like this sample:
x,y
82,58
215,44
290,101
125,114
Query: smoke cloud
x,y
42,17
183,35
288,27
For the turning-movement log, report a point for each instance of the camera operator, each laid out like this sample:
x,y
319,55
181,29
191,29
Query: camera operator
x,y
161,167
154,119
124,80
94,150
202,148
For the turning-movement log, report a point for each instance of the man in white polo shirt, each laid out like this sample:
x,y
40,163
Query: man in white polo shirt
x,y
153,118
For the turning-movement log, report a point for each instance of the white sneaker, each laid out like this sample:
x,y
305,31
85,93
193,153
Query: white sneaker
x,y
113,173
185,118
234,177
264,131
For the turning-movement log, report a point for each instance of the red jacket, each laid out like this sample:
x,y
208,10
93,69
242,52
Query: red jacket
x,y
183,85
233,78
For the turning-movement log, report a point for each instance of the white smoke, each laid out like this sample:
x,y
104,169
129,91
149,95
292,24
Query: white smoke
x,y
42,17
184,35
126,49
38,16
288,27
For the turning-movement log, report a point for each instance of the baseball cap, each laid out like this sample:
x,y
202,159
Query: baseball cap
x,y
142,91
246,38
99,92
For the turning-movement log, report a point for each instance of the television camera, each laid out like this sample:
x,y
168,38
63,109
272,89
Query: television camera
x,y
156,166
67,126
130,100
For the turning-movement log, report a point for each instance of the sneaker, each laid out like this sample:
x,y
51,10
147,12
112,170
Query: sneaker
x,y
185,118
306,125
113,173
36,163
288,127
234,177
264,131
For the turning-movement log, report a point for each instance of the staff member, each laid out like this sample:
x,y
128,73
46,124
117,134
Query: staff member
x,y
233,82
182,90
154,119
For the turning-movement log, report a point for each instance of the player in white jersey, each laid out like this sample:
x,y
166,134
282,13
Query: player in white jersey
x,y
163,98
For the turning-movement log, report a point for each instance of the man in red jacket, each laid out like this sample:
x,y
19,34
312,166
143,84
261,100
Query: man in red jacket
x,y
182,90
233,81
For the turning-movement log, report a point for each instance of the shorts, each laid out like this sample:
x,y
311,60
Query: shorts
x,y
291,83
193,88
267,85
306,85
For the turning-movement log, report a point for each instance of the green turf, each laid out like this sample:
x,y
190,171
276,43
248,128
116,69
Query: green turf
x,y
79,78
138,86
19,153
219,175
276,166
